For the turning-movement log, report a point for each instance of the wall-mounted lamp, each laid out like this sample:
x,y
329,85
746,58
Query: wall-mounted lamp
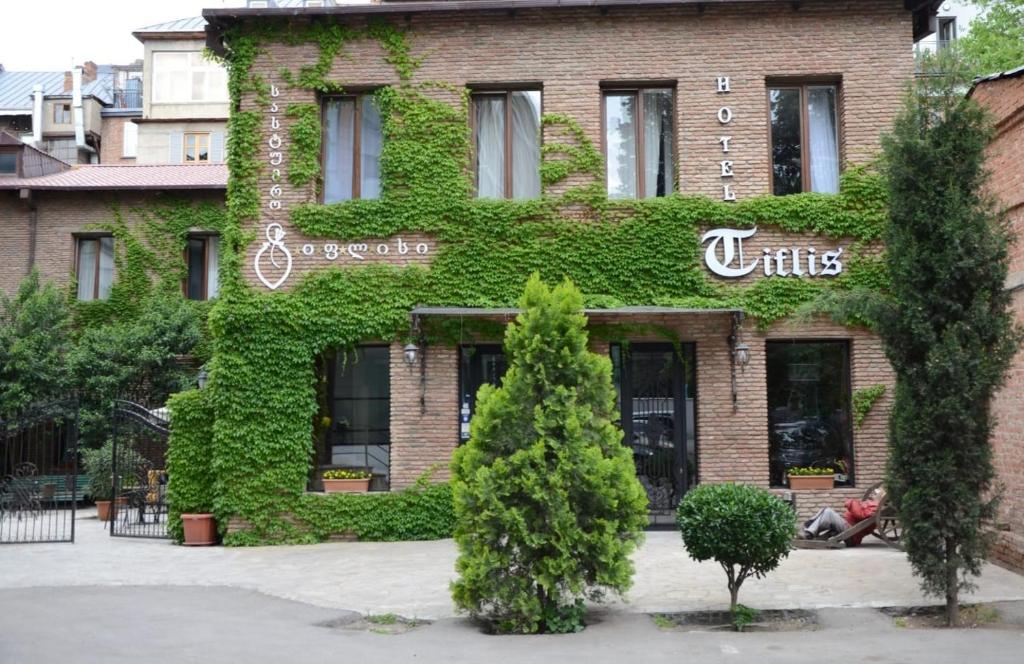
x,y
202,378
412,352
742,354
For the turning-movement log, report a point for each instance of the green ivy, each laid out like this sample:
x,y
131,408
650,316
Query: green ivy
x,y
864,400
264,384
189,467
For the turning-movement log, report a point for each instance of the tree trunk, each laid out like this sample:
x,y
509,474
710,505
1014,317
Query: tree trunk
x,y
734,593
952,591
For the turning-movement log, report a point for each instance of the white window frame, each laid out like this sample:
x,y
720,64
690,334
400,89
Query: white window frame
x,y
191,68
130,139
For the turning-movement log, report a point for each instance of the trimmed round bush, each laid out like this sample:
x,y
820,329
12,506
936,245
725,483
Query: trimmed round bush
x,y
744,529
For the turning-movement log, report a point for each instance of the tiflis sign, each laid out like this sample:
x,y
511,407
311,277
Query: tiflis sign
x,y
724,256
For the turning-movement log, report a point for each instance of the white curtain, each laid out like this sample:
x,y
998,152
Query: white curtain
x,y
86,269
526,144
369,146
620,143
340,130
490,146
212,266
659,170
106,266
822,135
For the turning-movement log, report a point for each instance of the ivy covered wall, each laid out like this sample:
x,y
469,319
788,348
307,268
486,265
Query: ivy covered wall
x,y
619,253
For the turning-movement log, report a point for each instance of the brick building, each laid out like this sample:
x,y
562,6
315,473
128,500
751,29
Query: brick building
x,y
1003,95
727,100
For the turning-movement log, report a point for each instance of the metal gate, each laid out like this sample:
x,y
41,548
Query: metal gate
x,y
39,480
139,469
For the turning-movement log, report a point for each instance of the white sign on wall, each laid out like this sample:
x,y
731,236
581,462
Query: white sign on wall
x,y
725,257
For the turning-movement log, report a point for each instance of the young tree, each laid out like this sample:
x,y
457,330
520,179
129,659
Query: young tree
x,y
947,331
995,41
34,339
547,502
744,529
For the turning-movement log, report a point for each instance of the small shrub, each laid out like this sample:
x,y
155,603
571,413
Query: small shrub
x,y
742,616
744,529
98,464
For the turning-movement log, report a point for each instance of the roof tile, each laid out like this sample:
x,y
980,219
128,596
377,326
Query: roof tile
x,y
107,177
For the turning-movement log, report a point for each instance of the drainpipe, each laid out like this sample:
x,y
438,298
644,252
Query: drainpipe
x,y
79,114
37,116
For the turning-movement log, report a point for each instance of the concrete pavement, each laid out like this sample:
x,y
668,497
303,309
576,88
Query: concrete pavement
x,y
218,624
411,578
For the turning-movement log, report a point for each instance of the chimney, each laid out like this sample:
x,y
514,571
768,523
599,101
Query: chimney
x,y
89,71
37,116
68,81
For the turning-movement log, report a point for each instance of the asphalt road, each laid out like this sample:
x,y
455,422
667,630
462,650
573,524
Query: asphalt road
x,y
155,624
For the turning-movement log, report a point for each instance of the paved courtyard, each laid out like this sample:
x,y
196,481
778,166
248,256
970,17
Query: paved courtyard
x,y
411,578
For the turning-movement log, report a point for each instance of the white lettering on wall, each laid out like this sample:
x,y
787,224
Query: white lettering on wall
x,y
723,83
724,257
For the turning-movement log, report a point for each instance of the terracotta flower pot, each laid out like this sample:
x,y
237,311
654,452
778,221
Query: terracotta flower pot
x,y
798,482
103,510
346,486
200,529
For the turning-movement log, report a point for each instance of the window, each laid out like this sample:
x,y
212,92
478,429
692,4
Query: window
x,y
62,114
202,260
639,152
187,76
947,32
360,433
197,148
804,139
506,127
130,141
352,145
809,407
8,163
94,267
478,365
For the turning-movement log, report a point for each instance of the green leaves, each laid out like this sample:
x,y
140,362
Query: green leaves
x,y
745,529
547,501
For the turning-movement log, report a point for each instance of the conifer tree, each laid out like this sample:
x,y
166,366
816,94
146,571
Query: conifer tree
x,y
547,502
947,330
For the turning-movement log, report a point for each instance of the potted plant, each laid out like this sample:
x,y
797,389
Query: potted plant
x,y
200,529
99,466
811,478
346,481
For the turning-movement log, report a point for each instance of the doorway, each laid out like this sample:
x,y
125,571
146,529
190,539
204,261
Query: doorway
x,y
657,396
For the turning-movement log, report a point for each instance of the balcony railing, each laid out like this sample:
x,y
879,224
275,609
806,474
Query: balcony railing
x,y
128,98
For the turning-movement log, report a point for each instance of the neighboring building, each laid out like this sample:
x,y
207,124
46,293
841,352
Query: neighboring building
x,y
952,22
58,112
56,222
1003,95
185,99
120,129
725,115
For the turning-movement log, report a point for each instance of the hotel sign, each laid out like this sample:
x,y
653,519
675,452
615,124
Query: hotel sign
x,y
725,257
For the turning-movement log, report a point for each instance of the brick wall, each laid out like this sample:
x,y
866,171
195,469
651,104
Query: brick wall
x,y
573,53
112,147
60,215
1004,98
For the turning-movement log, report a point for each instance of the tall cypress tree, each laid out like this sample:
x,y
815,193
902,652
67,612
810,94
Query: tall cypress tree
x,y
947,330
547,502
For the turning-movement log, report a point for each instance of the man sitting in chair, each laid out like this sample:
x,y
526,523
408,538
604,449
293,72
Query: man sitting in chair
x,y
827,521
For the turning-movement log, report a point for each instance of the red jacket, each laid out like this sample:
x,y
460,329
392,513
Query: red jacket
x,y
857,511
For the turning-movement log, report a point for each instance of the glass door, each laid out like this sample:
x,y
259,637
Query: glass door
x,y
657,401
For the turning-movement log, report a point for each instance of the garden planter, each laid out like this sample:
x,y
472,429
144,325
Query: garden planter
x,y
200,529
346,486
103,510
798,482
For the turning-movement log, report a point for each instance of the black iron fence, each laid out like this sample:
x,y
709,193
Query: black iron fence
x,y
40,483
140,437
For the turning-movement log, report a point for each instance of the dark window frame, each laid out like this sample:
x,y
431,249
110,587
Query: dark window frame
x,y
802,84
636,88
77,239
356,95
330,438
17,152
477,348
848,348
506,91
205,237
